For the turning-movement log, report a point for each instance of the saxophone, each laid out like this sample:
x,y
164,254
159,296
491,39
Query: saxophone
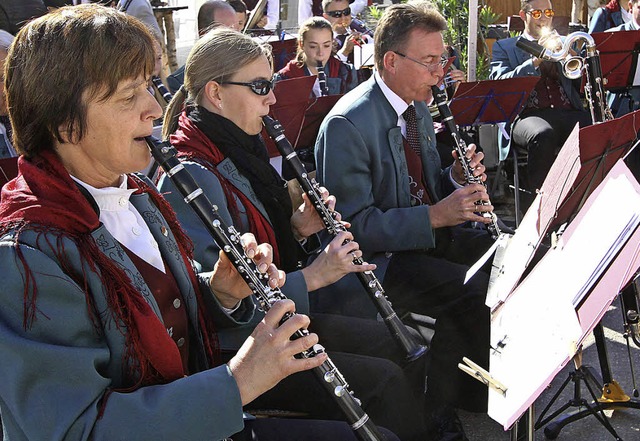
x,y
574,65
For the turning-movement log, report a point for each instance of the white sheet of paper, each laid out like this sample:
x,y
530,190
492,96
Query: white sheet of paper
x,y
536,331
363,55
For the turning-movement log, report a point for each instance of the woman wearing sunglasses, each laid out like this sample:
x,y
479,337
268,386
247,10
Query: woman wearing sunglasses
x,y
315,48
214,122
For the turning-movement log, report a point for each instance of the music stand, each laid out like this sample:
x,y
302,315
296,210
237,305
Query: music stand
x,y
292,98
254,16
284,50
599,157
618,53
318,108
8,169
491,101
601,145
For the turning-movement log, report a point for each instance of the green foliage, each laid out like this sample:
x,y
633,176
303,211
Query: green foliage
x,y
457,14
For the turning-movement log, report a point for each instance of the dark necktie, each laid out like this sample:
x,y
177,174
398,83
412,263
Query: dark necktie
x,y
413,137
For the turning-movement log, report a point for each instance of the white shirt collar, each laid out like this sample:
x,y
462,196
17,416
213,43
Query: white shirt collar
x,y
121,218
109,198
398,104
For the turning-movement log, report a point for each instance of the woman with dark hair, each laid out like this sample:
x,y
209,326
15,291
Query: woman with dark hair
x,y
214,122
315,48
107,332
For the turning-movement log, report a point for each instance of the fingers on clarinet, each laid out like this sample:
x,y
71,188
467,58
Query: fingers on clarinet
x,y
277,311
295,322
248,242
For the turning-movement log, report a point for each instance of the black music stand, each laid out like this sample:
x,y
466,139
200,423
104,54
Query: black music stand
x,y
8,169
492,102
292,98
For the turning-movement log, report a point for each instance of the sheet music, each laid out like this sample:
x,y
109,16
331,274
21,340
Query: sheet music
x,y
537,331
363,55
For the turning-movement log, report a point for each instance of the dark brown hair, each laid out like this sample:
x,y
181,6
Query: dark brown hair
x,y
398,21
60,61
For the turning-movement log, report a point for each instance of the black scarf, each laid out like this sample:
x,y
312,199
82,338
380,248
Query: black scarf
x,y
249,155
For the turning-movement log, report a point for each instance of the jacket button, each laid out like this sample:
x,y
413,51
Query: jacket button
x,y
177,303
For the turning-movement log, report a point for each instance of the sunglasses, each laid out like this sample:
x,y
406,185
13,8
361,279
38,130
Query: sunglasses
x,y
338,14
431,67
537,13
259,87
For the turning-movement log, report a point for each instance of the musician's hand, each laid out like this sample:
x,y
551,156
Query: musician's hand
x,y
457,75
475,162
349,44
267,356
306,221
229,287
334,262
460,206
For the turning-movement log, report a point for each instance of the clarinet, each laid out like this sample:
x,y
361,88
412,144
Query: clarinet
x,y
159,85
369,281
440,97
322,80
228,239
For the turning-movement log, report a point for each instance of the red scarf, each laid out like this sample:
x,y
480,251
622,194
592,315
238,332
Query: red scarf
x,y
294,70
43,198
193,145
612,6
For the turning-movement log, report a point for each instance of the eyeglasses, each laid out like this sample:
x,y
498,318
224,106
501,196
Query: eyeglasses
x,y
431,67
259,87
338,14
537,13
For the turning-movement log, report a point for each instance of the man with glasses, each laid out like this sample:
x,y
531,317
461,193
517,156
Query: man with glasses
x,y
376,152
554,106
347,31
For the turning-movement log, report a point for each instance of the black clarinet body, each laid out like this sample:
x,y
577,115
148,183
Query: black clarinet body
x,y
228,239
322,79
159,85
368,279
440,98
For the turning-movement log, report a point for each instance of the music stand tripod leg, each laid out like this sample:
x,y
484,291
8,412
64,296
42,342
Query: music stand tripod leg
x,y
523,429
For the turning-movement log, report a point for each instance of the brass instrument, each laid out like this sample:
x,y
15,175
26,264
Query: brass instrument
x,y
574,65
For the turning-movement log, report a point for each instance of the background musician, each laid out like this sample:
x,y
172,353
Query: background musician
x,y
614,13
554,106
315,45
338,12
381,163
102,308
